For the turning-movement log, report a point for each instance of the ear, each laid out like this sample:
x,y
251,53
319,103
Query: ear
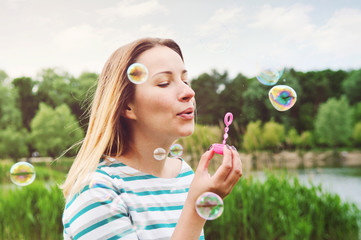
x,y
129,112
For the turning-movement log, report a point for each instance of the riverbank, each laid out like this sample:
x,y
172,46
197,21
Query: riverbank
x,y
294,160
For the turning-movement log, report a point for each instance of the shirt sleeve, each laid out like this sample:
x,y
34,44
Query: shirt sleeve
x,y
98,212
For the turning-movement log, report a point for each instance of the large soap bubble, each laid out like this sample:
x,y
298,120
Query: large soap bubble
x,y
137,73
209,206
282,97
22,173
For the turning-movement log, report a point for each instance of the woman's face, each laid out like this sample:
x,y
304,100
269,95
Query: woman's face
x,y
164,105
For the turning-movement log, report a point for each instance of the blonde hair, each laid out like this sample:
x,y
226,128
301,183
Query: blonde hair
x,y
108,130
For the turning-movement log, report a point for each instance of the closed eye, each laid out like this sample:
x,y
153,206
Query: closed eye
x,y
163,84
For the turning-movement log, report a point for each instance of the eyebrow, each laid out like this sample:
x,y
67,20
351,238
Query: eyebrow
x,y
169,73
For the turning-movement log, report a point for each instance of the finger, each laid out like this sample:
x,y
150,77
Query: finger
x,y
226,166
206,157
236,172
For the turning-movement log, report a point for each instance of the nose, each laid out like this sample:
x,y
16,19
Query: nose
x,y
186,93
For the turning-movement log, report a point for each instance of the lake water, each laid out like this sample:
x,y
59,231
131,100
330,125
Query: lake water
x,y
346,182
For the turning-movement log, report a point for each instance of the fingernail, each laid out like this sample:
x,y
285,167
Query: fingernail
x,y
234,148
210,147
228,147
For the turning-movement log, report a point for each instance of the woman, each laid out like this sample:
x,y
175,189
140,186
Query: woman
x,y
115,188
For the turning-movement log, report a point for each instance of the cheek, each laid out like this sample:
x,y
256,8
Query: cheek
x,y
154,103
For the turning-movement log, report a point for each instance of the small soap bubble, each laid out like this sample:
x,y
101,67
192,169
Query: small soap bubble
x,y
99,188
269,76
22,173
209,206
282,97
176,150
269,71
159,154
137,73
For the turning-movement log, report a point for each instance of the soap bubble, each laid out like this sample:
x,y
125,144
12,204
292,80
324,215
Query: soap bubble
x,y
176,150
159,154
270,77
22,173
99,188
282,97
137,73
269,71
209,206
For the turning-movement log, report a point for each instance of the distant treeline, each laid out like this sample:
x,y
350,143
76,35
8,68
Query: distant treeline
x,y
48,114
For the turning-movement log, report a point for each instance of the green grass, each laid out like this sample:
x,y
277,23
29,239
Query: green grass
x,y
280,208
31,212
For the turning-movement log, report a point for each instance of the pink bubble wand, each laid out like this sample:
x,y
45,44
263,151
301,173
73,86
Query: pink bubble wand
x,y
218,148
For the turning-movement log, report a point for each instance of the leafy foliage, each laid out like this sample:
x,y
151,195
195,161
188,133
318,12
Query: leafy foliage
x,y
352,86
54,130
13,143
273,135
333,123
252,137
356,134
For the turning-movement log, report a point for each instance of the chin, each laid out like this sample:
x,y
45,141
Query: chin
x,y
187,132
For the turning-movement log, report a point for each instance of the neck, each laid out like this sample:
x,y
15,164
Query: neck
x,y
140,155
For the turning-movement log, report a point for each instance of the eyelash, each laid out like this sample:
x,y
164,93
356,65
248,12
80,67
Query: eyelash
x,y
166,84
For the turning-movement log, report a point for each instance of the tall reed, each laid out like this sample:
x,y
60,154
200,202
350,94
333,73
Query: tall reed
x,y
282,208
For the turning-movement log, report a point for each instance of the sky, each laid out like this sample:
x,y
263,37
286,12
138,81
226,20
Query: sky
x,y
238,36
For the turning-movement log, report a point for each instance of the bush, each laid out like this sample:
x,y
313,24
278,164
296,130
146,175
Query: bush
x,y
356,134
306,140
252,137
273,135
293,139
282,208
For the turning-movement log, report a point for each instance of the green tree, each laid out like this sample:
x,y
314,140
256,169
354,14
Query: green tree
x,y
54,130
357,112
333,124
352,87
232,95
81,93
3,76
356,134
13,143
252,136
54,87
273,135
255,101
26,100
207,88
10,115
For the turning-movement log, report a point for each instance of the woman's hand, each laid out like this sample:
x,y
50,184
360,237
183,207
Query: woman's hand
x,y
190,224
224,179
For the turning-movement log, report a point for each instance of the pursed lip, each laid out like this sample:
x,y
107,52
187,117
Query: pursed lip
x,y
189,110
187,114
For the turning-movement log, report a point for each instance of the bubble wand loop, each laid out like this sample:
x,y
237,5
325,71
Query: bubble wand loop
x,y
218,148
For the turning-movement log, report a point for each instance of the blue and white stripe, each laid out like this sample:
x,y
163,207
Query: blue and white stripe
x,y
128,204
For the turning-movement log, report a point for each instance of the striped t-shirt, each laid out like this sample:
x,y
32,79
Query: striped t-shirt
x,y
120,202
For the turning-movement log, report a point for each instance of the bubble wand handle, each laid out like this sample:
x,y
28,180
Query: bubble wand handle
x,y
228,119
